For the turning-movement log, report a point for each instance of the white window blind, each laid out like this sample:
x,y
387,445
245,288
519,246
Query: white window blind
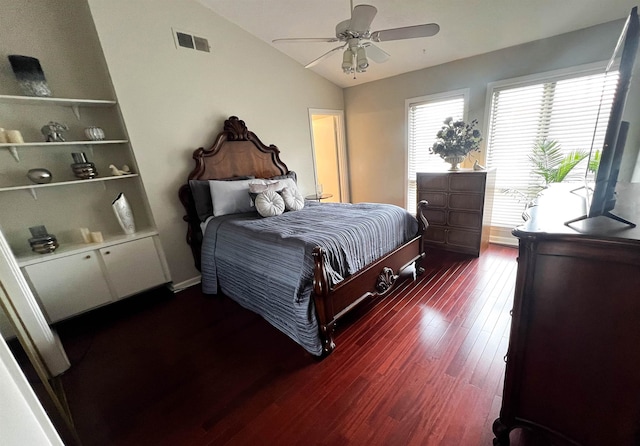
x,y
568,111
425,119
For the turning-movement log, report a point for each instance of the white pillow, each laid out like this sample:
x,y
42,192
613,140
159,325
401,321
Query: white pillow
x,y
293,199
287,182
230,197
258,186
269,204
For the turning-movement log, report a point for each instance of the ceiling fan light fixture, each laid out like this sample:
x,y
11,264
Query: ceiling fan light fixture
x,y
356,36
347,61
361,60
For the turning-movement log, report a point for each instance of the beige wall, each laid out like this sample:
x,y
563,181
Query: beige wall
x,y
175,100
375,112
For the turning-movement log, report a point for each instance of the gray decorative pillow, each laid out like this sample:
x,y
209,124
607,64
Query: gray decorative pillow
x,y
269,204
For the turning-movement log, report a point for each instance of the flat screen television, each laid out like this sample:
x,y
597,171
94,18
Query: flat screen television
x,y
602,199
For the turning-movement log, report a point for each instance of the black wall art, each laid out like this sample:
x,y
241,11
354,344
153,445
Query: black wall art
x,y
29,75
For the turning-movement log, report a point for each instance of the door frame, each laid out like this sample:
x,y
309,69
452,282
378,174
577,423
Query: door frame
x,y
343,177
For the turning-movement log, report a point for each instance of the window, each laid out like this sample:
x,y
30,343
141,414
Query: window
x,y
564,109
425,116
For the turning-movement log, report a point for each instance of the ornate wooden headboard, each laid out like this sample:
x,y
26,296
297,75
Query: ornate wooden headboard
x,y
235,152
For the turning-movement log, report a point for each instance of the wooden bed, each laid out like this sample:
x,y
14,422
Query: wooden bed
x,y
238,152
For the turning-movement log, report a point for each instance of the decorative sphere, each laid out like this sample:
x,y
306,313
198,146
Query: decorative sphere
x,y
40,176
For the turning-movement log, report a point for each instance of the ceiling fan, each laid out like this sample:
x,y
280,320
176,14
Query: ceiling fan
x,y
358,38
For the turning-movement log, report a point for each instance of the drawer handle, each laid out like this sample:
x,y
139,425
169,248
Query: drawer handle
x,y
106,253
87,257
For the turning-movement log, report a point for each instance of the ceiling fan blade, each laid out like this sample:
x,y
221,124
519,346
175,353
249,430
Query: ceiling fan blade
x,y
323,57
407,32
361,18
375,53
308,39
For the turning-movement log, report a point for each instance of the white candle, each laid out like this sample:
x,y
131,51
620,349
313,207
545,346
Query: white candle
x,y
3,136
86,235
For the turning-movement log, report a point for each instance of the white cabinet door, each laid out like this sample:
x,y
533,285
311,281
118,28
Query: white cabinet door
x,y
69,285
133,266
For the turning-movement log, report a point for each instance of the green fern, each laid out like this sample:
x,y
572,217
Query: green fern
x,y
552,166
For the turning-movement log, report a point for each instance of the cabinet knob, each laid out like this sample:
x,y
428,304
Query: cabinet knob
x,y
106,253
87,257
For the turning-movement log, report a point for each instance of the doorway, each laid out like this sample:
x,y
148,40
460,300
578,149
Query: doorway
x,y
329,155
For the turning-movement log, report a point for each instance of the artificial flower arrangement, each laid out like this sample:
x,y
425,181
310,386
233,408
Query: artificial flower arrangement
x,y
456,138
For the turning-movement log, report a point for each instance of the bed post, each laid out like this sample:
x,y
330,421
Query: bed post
x,y
324,307
194,233
423,224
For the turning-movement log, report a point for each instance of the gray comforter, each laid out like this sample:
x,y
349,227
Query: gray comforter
x,y
265,264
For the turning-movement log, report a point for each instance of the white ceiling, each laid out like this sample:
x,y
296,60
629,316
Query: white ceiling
x,y
467,27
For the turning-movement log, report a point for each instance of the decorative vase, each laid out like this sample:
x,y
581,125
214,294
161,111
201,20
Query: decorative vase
x,y
124,214
41,241
94,133
81,167
29,75
454,160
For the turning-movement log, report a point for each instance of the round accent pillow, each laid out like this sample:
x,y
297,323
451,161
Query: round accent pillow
x,y
293,199
269,204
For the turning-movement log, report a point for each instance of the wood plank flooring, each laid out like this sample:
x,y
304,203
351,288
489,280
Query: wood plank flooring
x,y
423,366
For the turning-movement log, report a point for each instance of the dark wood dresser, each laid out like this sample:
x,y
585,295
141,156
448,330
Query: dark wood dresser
x,y
573,364
459,211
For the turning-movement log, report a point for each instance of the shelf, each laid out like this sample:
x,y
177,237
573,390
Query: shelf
x,y
67,249
75,104
64,143
13,148
32,187
38,100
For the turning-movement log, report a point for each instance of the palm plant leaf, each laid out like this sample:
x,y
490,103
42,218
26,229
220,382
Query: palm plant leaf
x,y
594,162
545,158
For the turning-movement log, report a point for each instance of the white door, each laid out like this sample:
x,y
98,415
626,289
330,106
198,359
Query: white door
x,y
329,154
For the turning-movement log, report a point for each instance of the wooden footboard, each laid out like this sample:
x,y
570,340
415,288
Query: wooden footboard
x,y
377,279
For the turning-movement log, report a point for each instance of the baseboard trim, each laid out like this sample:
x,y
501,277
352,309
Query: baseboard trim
x,y
506,241
176,287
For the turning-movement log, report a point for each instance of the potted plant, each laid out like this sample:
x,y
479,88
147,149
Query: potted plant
x,y
551,165
455,140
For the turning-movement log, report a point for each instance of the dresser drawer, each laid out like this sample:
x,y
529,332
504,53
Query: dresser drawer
x,y
462,238
435,234
436,216
435,199
432,181
469,220
467,202
465,182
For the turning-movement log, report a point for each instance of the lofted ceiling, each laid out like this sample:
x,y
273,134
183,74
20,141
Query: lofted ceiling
x,y
467,27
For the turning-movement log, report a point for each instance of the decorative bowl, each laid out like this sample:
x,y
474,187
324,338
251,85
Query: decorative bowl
x,y
39,175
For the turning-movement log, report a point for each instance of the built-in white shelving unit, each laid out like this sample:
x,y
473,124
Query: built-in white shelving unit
x,y
77,276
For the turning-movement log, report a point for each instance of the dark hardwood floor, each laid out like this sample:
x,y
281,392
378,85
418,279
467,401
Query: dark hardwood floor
x,y
423,366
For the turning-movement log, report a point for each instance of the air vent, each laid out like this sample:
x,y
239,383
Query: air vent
x,y
185,40
189,41
202,44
